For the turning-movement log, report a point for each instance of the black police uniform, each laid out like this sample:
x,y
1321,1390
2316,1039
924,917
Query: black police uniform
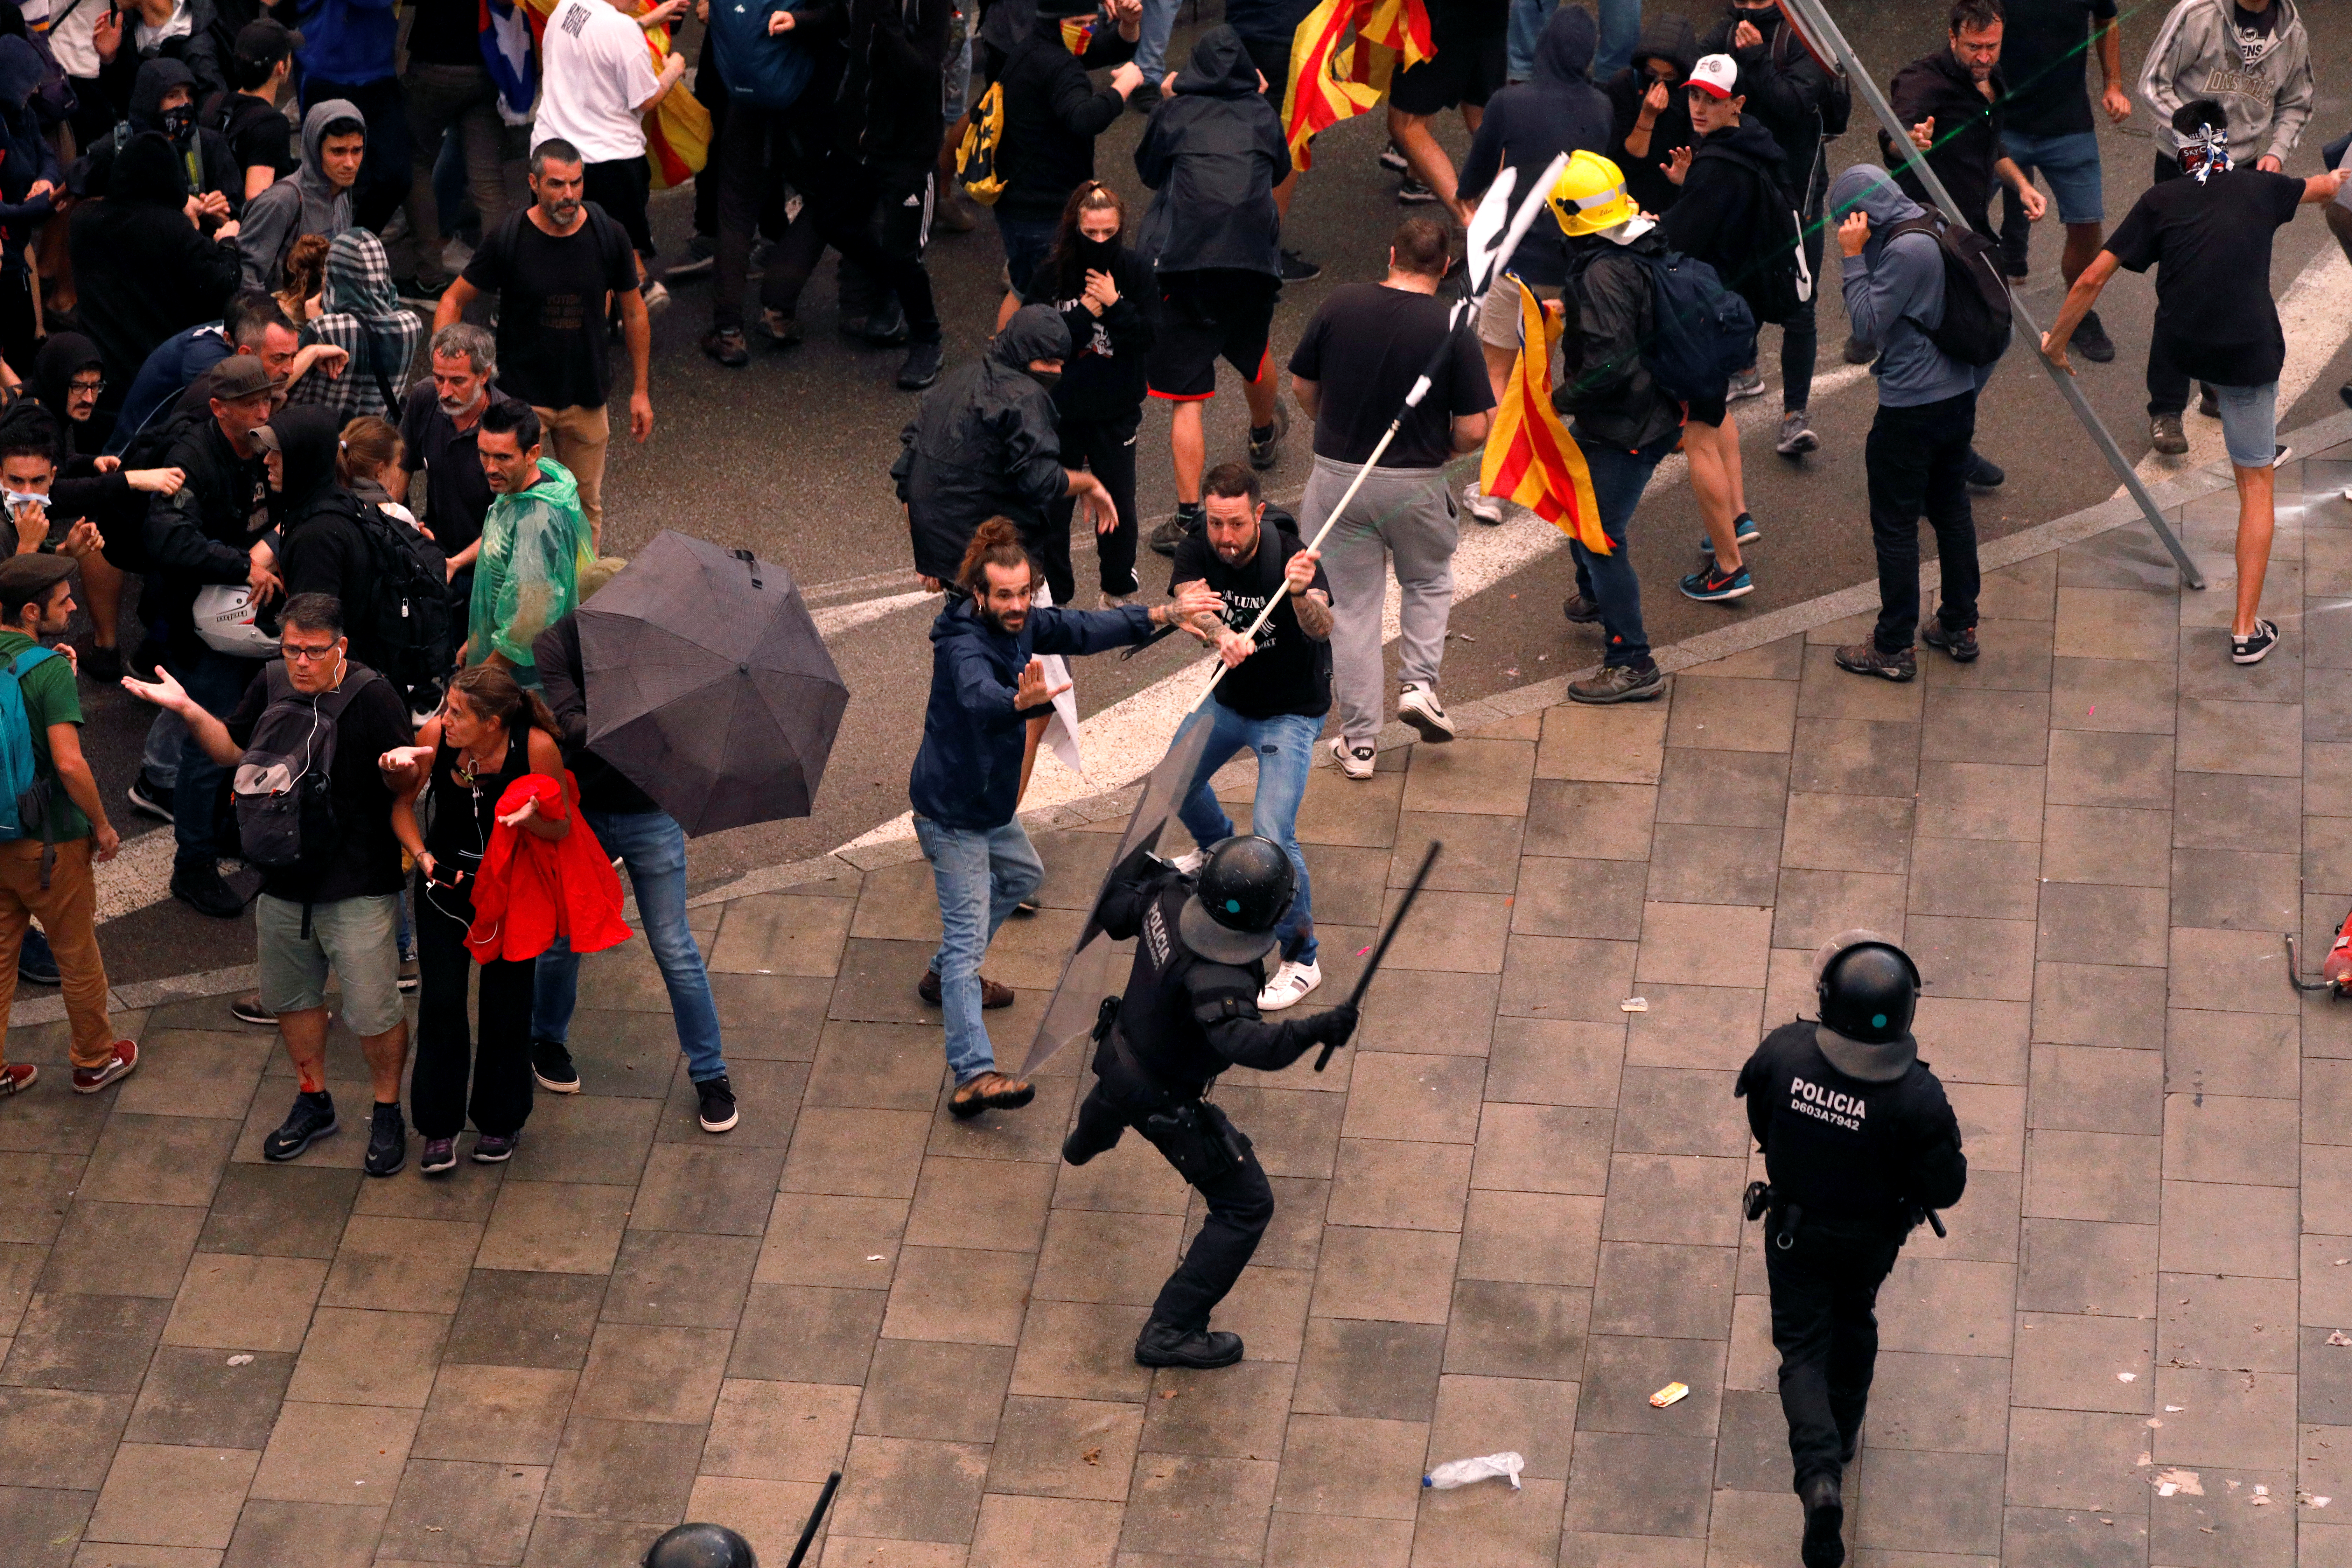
x,y
1184,1019
1852,1163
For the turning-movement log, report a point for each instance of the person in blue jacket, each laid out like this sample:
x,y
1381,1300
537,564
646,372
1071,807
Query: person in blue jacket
x,y
965,785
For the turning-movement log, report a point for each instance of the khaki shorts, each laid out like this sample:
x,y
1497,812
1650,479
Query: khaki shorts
x,y
353,937
1498,313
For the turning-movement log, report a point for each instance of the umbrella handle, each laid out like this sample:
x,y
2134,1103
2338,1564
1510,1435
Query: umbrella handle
x,y
750,563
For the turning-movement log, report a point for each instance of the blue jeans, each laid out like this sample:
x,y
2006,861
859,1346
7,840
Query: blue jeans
x,y
1621,30
217,682
1284,745
981,874
1151,44
1027,242
653,846
1609,581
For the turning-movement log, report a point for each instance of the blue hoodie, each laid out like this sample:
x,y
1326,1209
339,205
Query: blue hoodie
x,y
347,43
968,773
1895,294
1526,126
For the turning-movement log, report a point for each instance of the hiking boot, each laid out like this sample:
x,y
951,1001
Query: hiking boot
x,y
1297,268
921,365
1984,474
1581,610
1619,683
199,886
1714,584
1481,505
1289,986
118,1065
1356,761
992,994
725,344
1265,440
1797,435
1413,193
16,1077
783,330
387,1149
2091,339
989,1091
246,1008
438,1158
312,1118
1859,352
37,964
701,256
715,1103
1749,383
1864,658
496,1148
148,798
1959,646
1164,1345
1825,1546
2255,646
2165,435
551,1068
2208,403
1744,530
1189,519
1418,706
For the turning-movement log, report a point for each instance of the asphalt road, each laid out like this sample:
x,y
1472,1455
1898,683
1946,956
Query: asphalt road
x,y
789,458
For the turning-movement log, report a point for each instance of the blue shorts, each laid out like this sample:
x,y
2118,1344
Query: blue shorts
x,y
2069,165
2249,423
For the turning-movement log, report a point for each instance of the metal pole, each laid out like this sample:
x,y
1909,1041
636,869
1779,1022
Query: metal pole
x,y
1816,19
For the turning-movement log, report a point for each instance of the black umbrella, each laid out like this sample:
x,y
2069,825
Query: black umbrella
x,y
708,685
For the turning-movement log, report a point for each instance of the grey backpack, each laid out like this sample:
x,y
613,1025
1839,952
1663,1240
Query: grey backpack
x,y
284,796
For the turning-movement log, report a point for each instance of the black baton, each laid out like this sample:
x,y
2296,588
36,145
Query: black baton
x,y
1404,907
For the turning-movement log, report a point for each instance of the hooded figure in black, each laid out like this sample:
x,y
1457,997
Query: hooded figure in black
x,y
983,445
26,161
206,164
63,356
321,549
1053,111
1558,109
198,48
1213,155
144,272
1665,57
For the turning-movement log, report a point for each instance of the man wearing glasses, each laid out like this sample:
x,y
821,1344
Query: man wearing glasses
x,y
338,908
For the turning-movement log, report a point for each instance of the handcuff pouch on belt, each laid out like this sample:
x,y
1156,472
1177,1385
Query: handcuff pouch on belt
x,y
1780,1219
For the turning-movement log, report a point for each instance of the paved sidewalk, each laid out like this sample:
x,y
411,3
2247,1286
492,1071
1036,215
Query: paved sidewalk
x,y
1506,1216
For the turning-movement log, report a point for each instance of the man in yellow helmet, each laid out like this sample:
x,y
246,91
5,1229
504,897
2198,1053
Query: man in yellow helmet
x,y
1621,417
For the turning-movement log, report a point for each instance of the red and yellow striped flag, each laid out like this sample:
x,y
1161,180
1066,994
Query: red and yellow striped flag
x,y
1341,60
1530,457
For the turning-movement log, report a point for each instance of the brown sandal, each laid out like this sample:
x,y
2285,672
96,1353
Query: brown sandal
x,y
989,1091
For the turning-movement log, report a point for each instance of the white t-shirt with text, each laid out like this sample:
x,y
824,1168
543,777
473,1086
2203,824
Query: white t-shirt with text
x,y
596,69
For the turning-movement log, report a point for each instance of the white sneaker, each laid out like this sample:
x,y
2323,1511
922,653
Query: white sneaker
x,y
1289,986
1190,864
1418,706
657,296
1480,505
1356,761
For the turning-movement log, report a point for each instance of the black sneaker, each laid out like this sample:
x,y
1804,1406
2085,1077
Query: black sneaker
x,y
2208,403
726,347
2344,394
199,886
1297,268
148,798
1581,610
1960,645
246,1008
438,1158
495,1149
1619,683
1163,1344
1265,440
387,1142
882,332
2091,339
2255,646
420,289
715,1100
921,365
1984,474
1413,193
312,1118
102,665
1744,529
1864,658
1714,585
1392,158
701,256
550,1067
36,964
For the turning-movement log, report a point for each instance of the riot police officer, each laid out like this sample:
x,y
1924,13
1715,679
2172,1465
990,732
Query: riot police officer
x,y
1188,1013
1859,1144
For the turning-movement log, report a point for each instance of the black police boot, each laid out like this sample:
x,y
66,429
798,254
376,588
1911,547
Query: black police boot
x,y
1825,1546
1164,1345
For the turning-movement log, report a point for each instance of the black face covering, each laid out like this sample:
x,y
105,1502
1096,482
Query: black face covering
x,y
1047,379
179,123
1096,255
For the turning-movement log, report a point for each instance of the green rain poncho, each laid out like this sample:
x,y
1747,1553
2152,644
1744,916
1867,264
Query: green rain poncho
x,y
527,577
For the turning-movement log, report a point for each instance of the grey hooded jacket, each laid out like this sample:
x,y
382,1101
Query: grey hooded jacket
x,y
304,202
1895,293
2265,89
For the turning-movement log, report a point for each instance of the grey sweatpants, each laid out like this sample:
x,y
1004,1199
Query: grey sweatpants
x,y
1406,514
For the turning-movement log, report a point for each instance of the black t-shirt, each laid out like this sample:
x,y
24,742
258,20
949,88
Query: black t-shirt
x,y
446,32
457,492
2210,247
552,300
1366,346
1290,672
2043,53
366,859
256,132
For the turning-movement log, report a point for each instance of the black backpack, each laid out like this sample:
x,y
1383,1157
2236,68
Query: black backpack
x,y
1776,281
406,624
1836,106
1975,330
283,787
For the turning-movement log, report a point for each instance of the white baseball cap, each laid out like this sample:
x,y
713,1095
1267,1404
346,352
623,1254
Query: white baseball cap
x,y
1715,75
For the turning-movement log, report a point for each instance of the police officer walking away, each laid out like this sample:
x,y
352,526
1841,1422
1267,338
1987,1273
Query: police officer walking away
x,y
1190,1013
1859,1144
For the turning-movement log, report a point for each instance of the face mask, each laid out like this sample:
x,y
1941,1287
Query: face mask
x,y
1097,254
179,123
1045,378
12,500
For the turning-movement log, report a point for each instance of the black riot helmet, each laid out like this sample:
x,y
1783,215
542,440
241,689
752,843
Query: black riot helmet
x,y
1244,887
1869,987
701,1546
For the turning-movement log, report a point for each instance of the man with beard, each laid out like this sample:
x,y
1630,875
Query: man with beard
x,y
438,422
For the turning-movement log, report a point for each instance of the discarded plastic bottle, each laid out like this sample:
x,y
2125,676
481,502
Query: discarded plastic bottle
x,y
1462,1472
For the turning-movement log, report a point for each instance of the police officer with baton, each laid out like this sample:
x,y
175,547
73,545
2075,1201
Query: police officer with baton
x,y
1860,1145
1188,1013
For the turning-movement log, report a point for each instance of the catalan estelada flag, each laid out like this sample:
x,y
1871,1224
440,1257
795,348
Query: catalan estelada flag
x,y
1530,457
1341,60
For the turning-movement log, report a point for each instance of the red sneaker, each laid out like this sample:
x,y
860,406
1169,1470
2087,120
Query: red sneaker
x,y
16,1077
89,1080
